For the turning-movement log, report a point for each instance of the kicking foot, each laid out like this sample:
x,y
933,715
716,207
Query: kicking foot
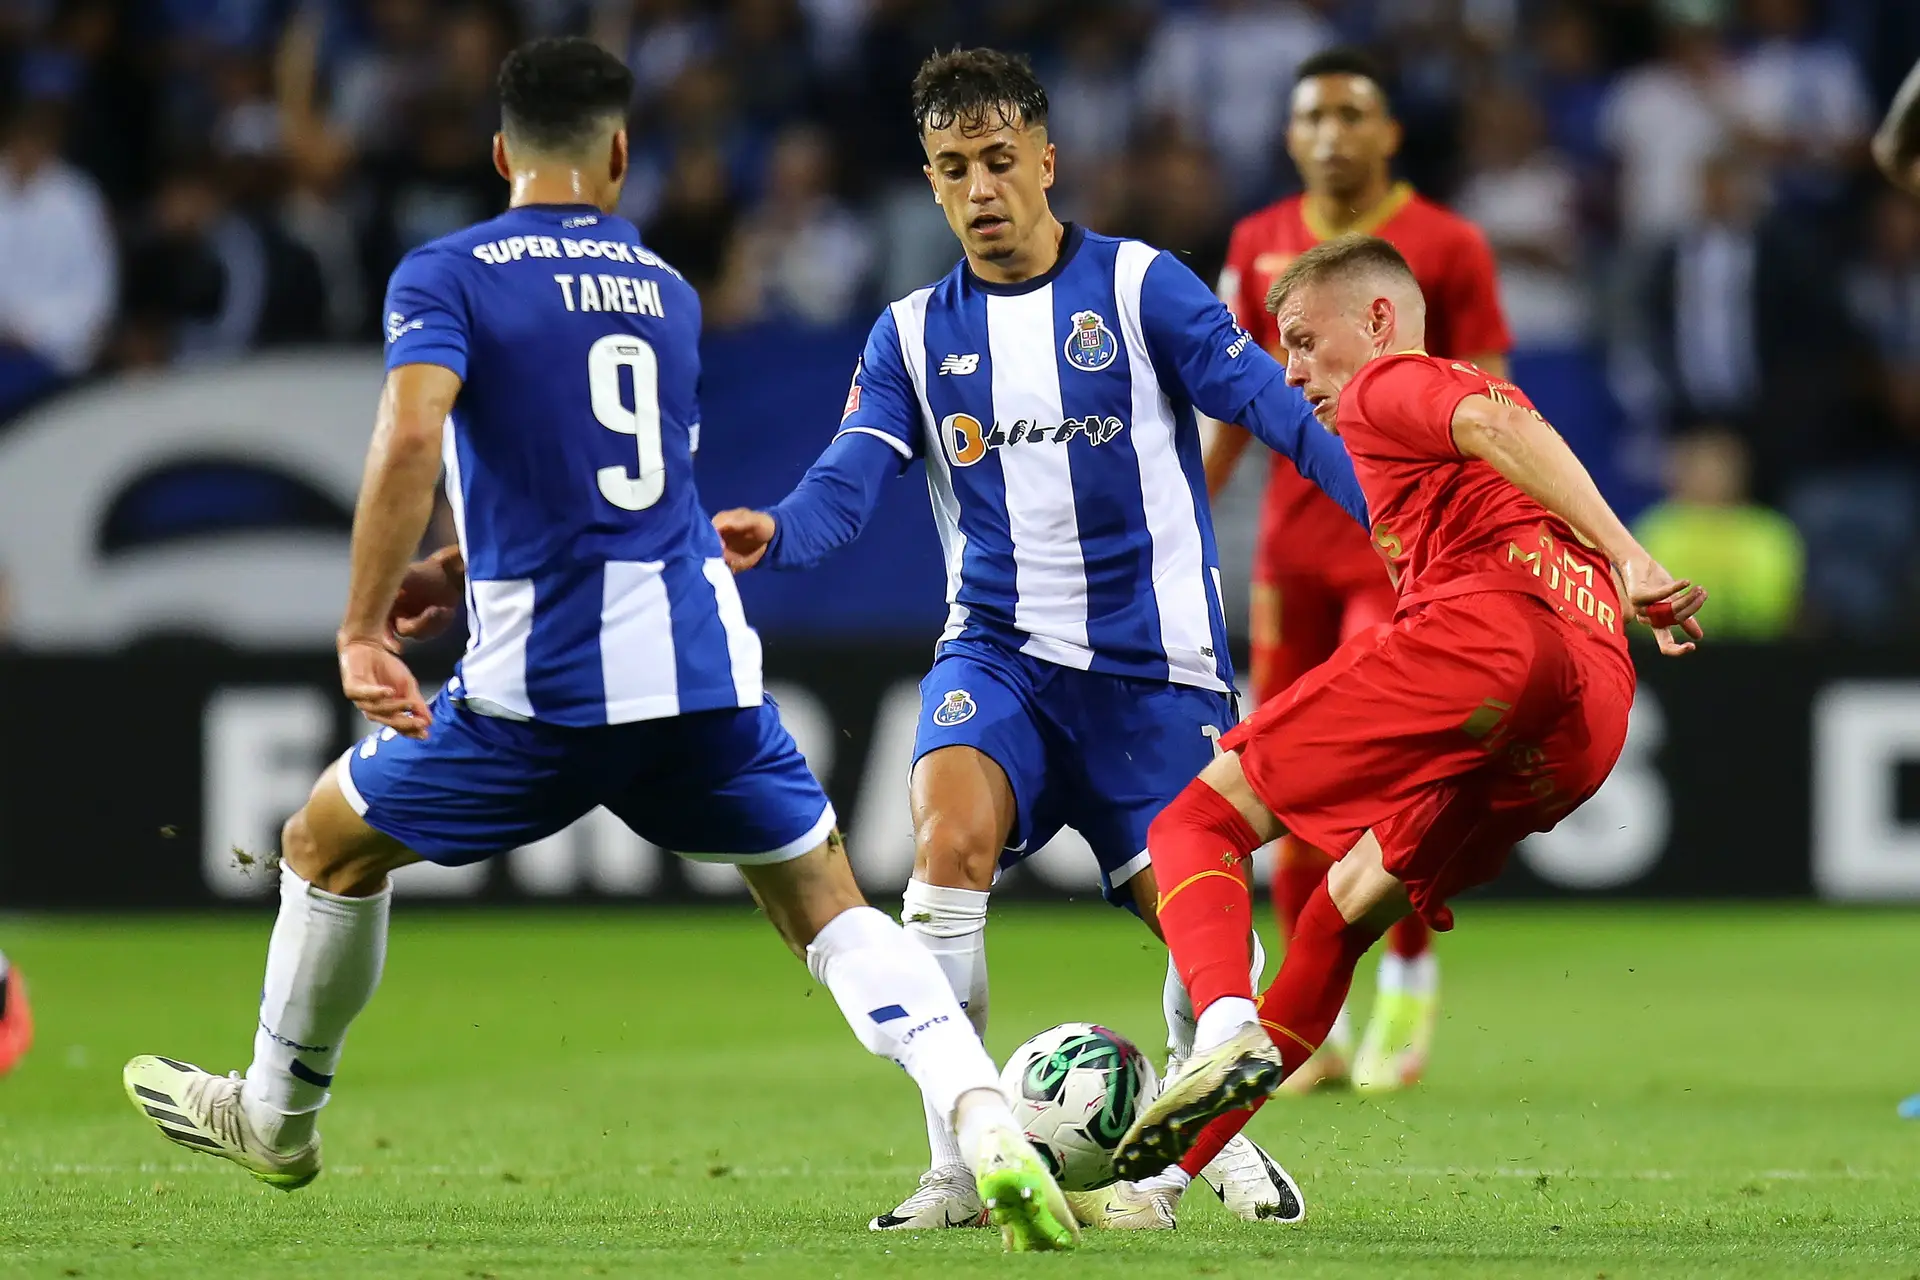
x,y
1021,1196
1225,1078
1252,1185
1393,1053
16,1020
1126,1206
202,1112
946,1197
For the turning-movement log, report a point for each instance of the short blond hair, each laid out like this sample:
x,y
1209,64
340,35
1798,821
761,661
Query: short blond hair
x,y
1348,257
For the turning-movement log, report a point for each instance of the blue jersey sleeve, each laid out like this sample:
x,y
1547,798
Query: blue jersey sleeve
x,y
426,314
832,503
1226,375
881,402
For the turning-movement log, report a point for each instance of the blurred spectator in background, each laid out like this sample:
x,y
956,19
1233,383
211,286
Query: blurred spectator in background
x,y
1224,70
57,284
1710,529
1803,102
801,254
1662,120
694,225
1883,295
1170,194
1526,198
1747,327
1570,83
207,277
1091,99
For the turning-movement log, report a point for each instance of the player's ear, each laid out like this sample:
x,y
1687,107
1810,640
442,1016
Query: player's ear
x,y
1046,167
500,165
1394,134
931,181
617,155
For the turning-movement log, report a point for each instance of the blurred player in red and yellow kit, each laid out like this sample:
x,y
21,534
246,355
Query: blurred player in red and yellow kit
x,y
1316,580
1492,706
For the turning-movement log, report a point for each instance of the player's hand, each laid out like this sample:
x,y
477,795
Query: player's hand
x,y
744,536
1663,602
429,596
375,680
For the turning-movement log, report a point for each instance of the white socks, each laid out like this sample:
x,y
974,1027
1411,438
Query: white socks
x,y
323,964
1419,976
951,924
1222,1020
898,1003
1178,1005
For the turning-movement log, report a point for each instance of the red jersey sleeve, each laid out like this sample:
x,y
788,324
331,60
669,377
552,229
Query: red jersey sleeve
x,y
1238,283
1403,407
1475,324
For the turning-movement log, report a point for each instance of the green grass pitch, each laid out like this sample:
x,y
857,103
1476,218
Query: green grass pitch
x,y
1618,1092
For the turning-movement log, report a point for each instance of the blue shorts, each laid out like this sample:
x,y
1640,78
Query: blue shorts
x,y
726,786
1101,754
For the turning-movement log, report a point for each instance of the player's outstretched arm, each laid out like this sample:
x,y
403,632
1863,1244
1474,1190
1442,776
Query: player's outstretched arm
x,y
396,502
1226,375
1896,147
825,511
1520,445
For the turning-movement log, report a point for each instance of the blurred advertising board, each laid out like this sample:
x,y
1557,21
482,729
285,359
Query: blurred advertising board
x,y
159,776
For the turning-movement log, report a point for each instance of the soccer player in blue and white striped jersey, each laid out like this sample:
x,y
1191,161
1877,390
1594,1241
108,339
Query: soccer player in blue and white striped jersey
x,y
552,362
1049,383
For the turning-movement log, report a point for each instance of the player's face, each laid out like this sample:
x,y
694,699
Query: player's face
x,y
1340,136
992,185
1325,336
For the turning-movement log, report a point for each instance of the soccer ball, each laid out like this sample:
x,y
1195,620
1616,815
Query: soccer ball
x,y
1075,1089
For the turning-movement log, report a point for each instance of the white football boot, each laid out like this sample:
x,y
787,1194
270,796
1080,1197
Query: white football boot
x,y
202,1112
1126,1206
946,1197
1250,1183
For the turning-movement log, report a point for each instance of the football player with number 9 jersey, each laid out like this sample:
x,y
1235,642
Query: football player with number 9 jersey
x,y
551,363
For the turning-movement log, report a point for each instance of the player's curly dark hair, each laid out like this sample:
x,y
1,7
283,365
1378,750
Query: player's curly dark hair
x,y
557,94
980,89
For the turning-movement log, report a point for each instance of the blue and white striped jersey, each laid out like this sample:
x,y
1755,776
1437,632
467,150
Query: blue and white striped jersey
x,y
596,593
1056,417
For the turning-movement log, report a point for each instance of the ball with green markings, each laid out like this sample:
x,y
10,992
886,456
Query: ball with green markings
x,y
1075,1089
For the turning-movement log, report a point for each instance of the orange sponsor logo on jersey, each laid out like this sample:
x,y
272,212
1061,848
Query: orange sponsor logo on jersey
x,y
1388,544
1565,575
1272,264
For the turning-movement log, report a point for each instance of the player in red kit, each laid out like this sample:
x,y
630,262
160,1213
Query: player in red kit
x,y
1492,705
1316,581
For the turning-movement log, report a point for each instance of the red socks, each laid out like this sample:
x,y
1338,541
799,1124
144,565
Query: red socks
x,y
1411,938
1298,870
1200,845
1298,1009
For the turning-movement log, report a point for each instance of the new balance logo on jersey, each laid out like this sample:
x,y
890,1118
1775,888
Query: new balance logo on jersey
x,y
961,364
967,441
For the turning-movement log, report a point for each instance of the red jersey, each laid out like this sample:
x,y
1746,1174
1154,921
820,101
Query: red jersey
x,y
1301,529
1448,524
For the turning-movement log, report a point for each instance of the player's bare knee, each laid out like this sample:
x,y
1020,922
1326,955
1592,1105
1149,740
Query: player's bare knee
x,y
957,851
1226,776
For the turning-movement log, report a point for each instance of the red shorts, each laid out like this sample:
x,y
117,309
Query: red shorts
x,y
1463,727
1298,620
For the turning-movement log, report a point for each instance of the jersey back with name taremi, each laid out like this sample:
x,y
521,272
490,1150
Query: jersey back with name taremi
x,y
596,592
1063,454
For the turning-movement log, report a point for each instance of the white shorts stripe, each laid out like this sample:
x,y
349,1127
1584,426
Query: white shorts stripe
x,y
343,778
785,853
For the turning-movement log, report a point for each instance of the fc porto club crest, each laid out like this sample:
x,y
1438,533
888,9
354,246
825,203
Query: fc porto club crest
x,y
956,708
1091,346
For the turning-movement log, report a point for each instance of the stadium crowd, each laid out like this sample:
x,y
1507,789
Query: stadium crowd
x,y
1677,192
